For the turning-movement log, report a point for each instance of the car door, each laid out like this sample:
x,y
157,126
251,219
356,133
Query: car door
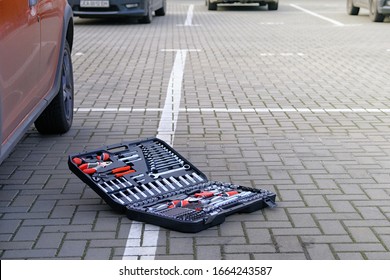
x,y
19,62
51,20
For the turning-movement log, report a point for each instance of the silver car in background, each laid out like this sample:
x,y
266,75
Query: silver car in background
x,y
378,9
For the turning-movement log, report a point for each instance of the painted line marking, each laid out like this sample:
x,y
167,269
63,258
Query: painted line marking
x,y
173,110
335,22
167,126
271,23
190,15
166,131
282,54
177,50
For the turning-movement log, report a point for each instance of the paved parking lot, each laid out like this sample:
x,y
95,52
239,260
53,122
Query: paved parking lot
x,y
289,101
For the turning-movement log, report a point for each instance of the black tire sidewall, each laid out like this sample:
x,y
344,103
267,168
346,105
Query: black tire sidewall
x,y
69,106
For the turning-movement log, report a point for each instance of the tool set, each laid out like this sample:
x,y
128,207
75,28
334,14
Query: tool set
x,y
151,182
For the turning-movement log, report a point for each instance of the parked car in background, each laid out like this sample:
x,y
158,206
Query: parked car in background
x,y
141,9
36,75
378,9
212,5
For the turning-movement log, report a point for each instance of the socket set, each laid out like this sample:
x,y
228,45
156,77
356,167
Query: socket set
x,y
151,182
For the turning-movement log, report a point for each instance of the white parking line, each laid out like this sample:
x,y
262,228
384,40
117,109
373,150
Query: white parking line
x,y
167,126
281,54
176,50
335,22
271,23
239,110
166,132
190,14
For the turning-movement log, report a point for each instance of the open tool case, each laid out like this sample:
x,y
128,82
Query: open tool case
x,y
151,182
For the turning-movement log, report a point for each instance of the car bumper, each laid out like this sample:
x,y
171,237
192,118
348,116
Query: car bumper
x,y
117,8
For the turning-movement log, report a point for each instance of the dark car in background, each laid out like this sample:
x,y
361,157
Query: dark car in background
x,y
36,74
141,9
378,9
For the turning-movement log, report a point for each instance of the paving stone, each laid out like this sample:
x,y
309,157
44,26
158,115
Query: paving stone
x,y
49,240
208,253
72,248
378,255
9,226
29,254
288,244
350,256
229,249
332,227
181,246
360,234
302,220
280,256
98,254
16,245
357,247
370,213
27,233
259,236
320,252
231,229
237,256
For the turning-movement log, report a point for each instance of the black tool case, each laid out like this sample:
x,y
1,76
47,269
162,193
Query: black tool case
x,y
153,183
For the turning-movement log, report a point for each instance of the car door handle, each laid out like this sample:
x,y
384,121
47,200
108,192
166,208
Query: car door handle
x,y
32,3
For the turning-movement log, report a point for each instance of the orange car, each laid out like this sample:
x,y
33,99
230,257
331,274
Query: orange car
x,y
36,74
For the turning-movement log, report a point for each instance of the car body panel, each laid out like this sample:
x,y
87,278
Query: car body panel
x,y
117,8
382,5
32,38
20,35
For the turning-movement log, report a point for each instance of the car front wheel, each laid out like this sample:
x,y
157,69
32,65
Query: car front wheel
x,y
375,16
57,118
149,16
273,6
161,12
351,9
211,6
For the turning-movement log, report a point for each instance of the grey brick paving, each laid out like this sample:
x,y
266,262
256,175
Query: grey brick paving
x,y
329,168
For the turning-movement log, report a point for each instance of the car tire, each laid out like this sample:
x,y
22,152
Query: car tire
x,y
57,118
211,6
161,12
351,9
273,6
149,16
375,16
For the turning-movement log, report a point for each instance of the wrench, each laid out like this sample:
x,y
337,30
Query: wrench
x,y
158,168
156,175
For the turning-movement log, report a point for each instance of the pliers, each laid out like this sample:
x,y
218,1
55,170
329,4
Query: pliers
x,y
117,172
